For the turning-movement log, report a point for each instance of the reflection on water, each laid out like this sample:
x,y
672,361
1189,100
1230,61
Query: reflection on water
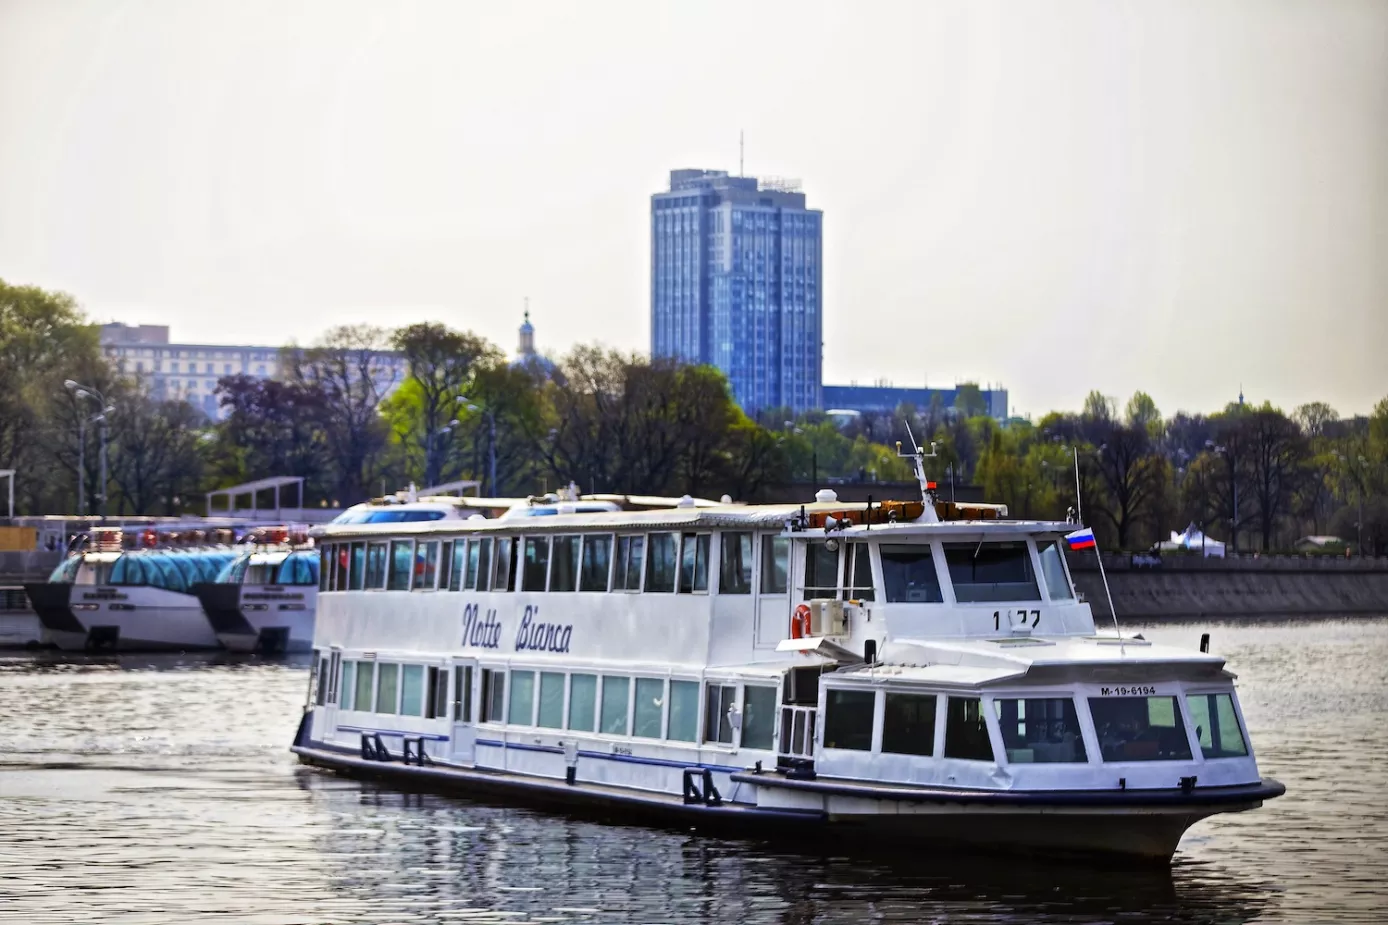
x,y
160,790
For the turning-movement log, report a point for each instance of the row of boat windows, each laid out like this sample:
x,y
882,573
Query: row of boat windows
x,y
168,570
681,563
1033,730
297,568
607,704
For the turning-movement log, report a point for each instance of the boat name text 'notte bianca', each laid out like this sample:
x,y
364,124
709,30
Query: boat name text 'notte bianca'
x,y
484,632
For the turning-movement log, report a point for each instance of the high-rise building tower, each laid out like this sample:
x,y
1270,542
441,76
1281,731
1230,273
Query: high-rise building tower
x,y
736,274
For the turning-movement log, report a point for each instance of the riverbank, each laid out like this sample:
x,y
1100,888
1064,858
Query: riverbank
x,y
1188,586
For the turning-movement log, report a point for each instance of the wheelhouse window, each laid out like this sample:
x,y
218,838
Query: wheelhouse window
x,y
357,579
684,711
458,566
521,710
848,719
1053,568
990,572
758,716
821,571
426,565
583,701
376,566
627,576
966,730
1040,730
908,574
1217,725
735,563
401,561
718,726
479,564
505,560
597,561
775,555
344,559
908,724
858,573
1139,729
563,571
649,708
536,564
694,562
660,564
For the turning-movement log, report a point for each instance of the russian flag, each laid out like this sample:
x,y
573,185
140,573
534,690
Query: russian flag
x,y
1081,539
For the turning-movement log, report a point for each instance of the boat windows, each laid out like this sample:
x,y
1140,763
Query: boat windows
x,y
758,716
344,561
322,685
1053,568
909,576
1040,730
684,711
66,572
597,561
462,694
505,562
366,686
551,713
694,562
426,565
989,572
775,554
436,698
1217,725
908,724
401,561
583,701
821,571
735,566
563,574
660,564
720,701
848,719
1139,729
858,573
649,709
479,564
357,578
536,566
628,566
458,565
521,710
232,574
375,566
412,690
445,564
387,688
493,695
325,568
966,730
615,691
348,684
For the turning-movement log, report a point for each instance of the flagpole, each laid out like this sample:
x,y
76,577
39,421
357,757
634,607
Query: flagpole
x,y
1112,611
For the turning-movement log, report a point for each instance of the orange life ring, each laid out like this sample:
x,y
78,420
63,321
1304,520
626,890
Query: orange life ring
x,y
800,622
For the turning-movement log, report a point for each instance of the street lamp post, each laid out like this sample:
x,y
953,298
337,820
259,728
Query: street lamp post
x,y
491,443
86,391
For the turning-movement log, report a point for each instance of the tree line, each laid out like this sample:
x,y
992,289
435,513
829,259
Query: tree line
x,y
342,417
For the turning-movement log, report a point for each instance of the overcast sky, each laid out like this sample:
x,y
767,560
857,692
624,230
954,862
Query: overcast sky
x,y
1176,197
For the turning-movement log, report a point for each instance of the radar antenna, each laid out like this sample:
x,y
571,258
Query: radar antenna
x,y
918,457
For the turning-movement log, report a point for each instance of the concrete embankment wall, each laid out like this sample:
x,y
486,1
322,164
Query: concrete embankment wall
x,y
1244,586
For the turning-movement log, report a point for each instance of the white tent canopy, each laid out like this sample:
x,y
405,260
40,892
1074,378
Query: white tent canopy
x,y
1193,539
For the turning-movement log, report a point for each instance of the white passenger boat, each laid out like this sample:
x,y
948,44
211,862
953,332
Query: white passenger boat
x,y
921,671
132,593
264,599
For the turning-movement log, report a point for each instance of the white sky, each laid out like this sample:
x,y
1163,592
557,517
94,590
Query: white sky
x,y
1178,197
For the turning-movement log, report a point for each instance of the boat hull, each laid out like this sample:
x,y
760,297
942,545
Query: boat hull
x,y
1141,829
270,619
81,618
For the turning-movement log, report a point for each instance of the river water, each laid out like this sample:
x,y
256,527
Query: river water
x,y
146,790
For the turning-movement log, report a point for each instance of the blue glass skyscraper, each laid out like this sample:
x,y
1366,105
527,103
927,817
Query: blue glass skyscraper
x,y
736,274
